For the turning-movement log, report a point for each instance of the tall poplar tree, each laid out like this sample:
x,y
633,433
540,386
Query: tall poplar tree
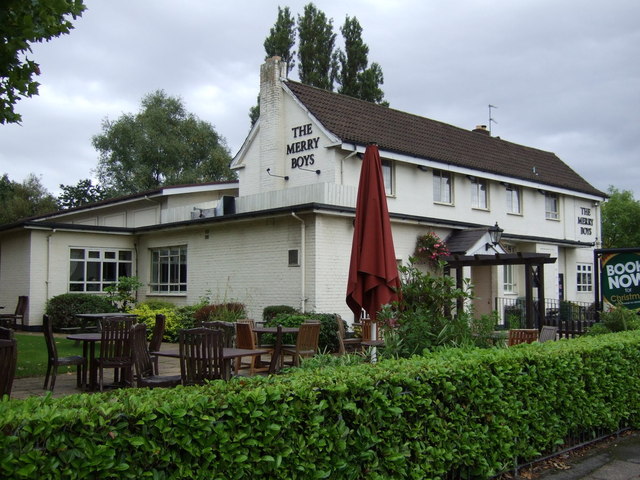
x,y
282,38
317,61
356,78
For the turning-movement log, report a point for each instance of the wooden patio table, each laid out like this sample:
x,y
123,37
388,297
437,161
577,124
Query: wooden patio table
x,y
278,332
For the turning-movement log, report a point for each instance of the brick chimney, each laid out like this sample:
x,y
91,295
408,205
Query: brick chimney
x,y
272,141
482,129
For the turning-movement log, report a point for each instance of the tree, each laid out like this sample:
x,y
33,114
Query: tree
x,y
22,200
620,215
317,62
161,145
21,24
355,77
82,193
280,41
282,37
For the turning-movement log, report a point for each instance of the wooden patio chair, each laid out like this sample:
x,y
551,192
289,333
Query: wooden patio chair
x,y
146,373
6,333
547,333
11,319
245,338
522,335
306,344
156,339
228,328
346,344
8,362
115,350
54,361
201,355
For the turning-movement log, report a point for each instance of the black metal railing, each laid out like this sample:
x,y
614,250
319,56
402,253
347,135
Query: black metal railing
x,y
572,318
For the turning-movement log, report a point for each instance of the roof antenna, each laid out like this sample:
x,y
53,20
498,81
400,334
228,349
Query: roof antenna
x,y
490,118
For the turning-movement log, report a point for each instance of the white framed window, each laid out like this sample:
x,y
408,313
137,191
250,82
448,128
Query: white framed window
x,y
387,176
169,270
551,206
514,202
508,279
442,187
584,277
479,193
94,269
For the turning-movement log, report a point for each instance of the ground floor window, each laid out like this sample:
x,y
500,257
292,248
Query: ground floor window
x,y
94,269
169,270
584,281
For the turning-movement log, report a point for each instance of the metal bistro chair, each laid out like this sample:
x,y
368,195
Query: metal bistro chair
x,y
201,355
11,319
306,344
547,333
115,349
8,361
522,335
54,361
146,374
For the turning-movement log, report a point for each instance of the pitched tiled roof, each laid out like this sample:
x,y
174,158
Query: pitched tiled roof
x,y
360,122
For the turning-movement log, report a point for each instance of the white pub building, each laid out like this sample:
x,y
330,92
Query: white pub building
x,y
281,234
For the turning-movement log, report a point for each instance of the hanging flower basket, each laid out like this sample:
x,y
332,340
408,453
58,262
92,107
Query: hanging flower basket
x,y
429,248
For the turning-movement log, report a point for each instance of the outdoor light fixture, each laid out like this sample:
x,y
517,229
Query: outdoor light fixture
x,y
317,172
279,176
422,168
495,234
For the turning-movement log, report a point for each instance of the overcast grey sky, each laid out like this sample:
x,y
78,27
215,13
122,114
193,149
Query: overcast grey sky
x,y
564,74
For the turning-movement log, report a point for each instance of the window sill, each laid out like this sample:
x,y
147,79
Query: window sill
x,y
552,219
443,204
517,214
480,209
167,294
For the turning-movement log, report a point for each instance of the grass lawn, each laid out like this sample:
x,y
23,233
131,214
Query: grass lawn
x,y
32,354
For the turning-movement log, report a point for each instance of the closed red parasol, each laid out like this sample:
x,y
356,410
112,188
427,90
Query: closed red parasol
x,y
373,272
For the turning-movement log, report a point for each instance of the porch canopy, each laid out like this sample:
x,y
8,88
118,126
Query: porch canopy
x,y
534,276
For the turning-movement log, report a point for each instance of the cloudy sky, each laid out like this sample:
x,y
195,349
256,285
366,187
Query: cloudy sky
x,y
563,74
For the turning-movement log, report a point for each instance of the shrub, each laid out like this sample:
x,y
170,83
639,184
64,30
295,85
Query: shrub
x,y
456,413
617,319
328,341
177,318
62,309
224,312
271,311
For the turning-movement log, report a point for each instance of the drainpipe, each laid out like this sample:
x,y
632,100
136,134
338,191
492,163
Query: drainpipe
x,y
48,274
303,261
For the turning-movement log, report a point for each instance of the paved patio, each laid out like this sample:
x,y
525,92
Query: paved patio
x,y
66,382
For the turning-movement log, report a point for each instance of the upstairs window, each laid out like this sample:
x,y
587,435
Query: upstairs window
x,y
479,193
551,206
442,187
169,270
513,199
387,175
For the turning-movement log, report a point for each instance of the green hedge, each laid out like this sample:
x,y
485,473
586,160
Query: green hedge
x,y
62,309
468,413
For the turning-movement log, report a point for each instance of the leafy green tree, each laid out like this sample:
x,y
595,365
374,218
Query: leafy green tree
x,y
317,61
620,213
82,193
161,145
23,23
22,200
